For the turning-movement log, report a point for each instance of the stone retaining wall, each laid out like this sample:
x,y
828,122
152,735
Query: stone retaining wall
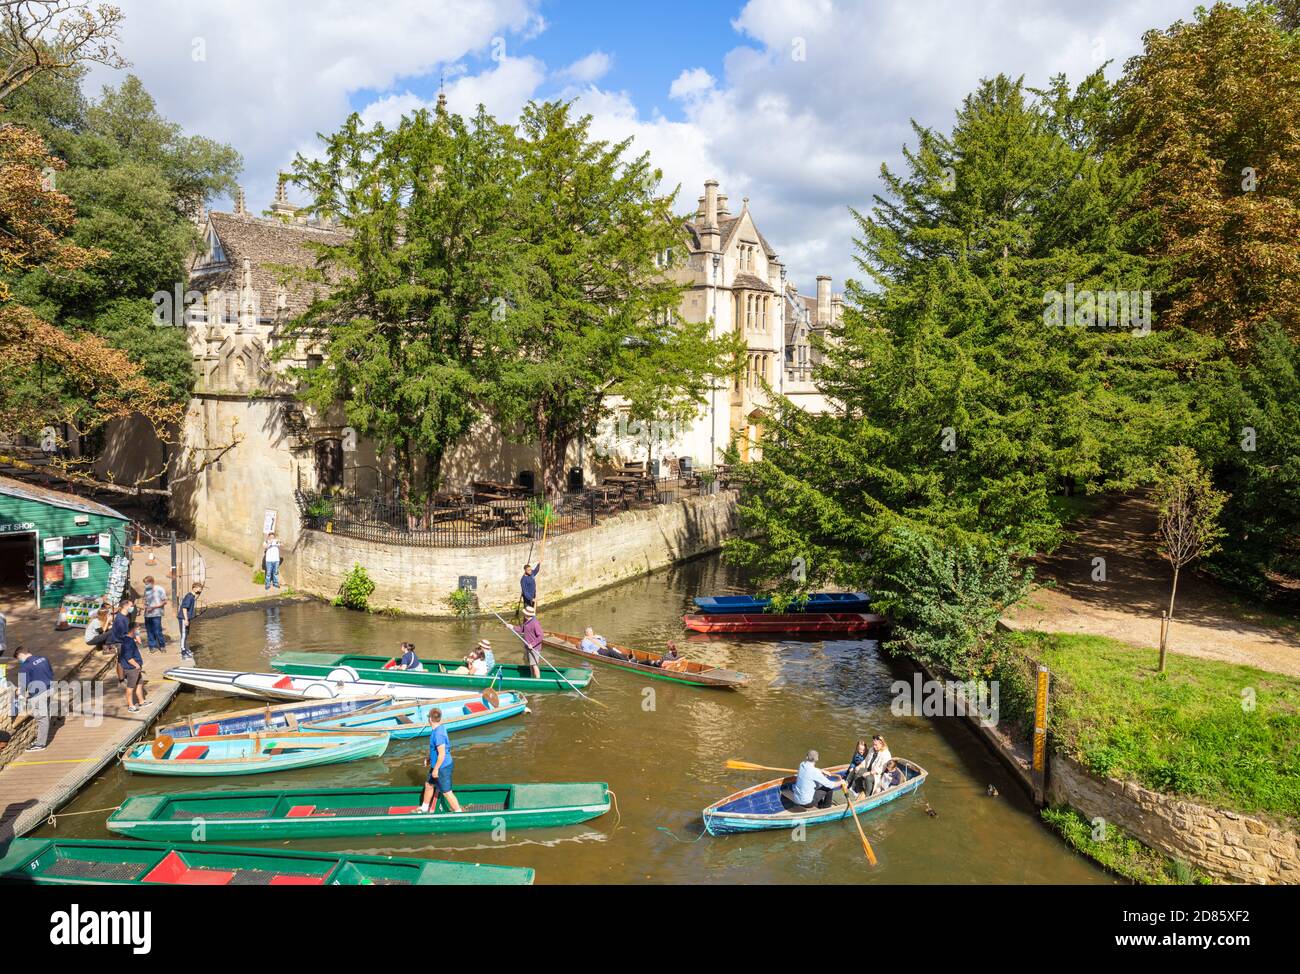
x,y
1230,846
418,580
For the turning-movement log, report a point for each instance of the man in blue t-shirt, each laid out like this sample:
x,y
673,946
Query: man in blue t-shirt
x,y
185,618
439,763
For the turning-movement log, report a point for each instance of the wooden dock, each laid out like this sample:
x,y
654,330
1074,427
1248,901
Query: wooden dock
x,y
35,785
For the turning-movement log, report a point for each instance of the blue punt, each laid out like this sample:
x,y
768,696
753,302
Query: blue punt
x,y
817,602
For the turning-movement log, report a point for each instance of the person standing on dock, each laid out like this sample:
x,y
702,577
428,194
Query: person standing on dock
x,y
36,686
130,663
185,618
440,765
155,604
528,585
531,632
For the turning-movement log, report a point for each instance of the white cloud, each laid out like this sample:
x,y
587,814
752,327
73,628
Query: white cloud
x,y
591,68
275,74
691,84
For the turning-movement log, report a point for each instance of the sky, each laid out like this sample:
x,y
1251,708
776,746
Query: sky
x,y
794,104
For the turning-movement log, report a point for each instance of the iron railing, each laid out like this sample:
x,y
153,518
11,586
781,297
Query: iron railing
x,y
468,519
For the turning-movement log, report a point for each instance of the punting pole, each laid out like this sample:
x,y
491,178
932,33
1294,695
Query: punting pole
x,y
548,662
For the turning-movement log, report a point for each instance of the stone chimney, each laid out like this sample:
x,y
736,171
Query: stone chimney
x,y
723,209
823,300
241,209
837,307
710,238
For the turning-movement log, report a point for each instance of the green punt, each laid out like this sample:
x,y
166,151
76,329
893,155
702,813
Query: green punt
x,y
316,813
436,672
113,862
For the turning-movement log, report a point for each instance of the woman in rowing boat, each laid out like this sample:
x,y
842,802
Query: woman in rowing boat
x,y
862,776
812,786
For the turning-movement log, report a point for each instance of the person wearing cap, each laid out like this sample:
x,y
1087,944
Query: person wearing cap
x,y
528,584
531,631
489,658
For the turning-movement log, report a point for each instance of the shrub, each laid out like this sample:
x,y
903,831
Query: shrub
x,y
463,602
356,589
259,577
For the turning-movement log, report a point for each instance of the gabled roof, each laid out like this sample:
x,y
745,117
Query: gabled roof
x,y
265,243
55,498
749,282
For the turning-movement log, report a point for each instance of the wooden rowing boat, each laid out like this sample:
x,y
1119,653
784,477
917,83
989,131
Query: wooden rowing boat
x,y
113,862
794,622
679,671
403,719
252,753
751,604
272,717
281,686
436,672
765,807
317,813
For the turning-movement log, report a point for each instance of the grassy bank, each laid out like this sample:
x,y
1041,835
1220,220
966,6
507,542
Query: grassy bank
x,y
1222,734
1120,852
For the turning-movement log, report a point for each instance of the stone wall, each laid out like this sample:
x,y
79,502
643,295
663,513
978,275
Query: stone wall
x,y
418,580
1234,847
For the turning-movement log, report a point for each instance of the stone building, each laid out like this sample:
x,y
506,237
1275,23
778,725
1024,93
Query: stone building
x,y
247,444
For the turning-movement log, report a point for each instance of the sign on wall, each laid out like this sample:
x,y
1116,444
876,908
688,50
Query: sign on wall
x,y
52,548
105,544
268,522
80,569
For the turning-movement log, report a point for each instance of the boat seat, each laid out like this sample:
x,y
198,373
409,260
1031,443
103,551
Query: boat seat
x,y
475,707
193,753
208,730
173,869
404,719
403,809
300,811
298,881
283,683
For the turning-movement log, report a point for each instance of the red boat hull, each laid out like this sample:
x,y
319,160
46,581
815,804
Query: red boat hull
x,y
786,622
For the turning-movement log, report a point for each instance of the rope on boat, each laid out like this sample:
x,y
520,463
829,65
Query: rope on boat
x,y
53,820
665,829
618,816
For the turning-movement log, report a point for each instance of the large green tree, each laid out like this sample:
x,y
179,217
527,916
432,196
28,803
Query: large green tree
x,y
416,282
591,309
980,375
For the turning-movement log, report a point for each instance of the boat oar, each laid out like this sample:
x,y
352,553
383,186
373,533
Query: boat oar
x,y
736,765
548,663
866,846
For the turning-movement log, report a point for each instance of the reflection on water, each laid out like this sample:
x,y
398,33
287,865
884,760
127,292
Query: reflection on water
x,y
661,747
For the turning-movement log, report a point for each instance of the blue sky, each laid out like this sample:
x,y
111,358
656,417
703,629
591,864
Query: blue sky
x,y
793,103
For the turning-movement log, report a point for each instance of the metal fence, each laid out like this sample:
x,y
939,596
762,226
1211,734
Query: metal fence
x,y
470,520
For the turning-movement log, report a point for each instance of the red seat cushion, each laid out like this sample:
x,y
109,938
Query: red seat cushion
x,y
298,881
208,730
475,708
300,811
403,809
193,753
283,683
173,870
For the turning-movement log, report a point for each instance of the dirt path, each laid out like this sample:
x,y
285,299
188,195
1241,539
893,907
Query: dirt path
x,y
1208,622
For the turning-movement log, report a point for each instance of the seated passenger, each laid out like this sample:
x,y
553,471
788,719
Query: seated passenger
x,y
671,659
485,650
477,664
891,776
407,660
591,643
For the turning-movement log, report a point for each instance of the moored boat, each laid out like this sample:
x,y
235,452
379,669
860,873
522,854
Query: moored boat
x,y
769,806
314,813
114,862
676,671
282,686
251,753
404,719
794,622
750,604
436,672
278,716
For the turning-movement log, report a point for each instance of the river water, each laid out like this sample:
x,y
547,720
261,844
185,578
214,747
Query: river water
x,y
661,748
